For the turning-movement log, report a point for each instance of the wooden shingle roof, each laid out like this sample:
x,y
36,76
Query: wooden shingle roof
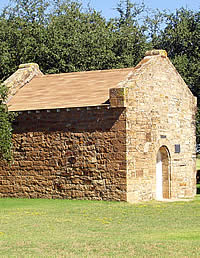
x,y
31,90
66,90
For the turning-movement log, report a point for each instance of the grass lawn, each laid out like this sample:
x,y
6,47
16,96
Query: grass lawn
x,y
58,228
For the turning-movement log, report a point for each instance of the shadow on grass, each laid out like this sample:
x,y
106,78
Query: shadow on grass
x,y
198,188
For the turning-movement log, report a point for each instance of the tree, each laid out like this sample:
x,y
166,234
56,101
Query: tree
x,y
180,37
130,42
6,118
22,33
62,37
78,40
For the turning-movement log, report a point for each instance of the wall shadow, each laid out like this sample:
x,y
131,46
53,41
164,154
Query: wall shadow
x,y
75,120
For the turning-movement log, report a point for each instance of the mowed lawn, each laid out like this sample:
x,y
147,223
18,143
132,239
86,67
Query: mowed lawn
x,y
66,228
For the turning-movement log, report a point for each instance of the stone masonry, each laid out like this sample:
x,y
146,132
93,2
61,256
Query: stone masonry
x,y
77,154
103,151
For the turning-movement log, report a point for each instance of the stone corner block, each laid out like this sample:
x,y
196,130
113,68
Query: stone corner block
x,y
29,65
156,52
118,97
21,77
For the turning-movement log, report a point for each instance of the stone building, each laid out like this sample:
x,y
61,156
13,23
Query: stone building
x,y
123,134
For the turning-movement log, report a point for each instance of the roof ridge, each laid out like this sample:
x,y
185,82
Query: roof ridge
x,y
84,72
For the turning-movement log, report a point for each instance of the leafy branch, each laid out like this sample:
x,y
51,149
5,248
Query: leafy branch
x,y
6,119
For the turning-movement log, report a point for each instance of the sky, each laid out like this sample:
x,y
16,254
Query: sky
x,y
107,6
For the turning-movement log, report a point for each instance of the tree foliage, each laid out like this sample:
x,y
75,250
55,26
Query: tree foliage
x,y
6,118
130,43
181,38
63,37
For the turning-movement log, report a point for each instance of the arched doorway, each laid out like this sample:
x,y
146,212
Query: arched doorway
x,y
163,174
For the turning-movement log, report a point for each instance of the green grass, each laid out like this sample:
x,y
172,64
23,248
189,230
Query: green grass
x,y
65,228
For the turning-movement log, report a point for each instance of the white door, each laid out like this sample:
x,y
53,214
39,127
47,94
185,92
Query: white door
x,y
159,183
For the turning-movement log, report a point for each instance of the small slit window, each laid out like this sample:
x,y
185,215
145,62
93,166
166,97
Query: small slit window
x,y
177,148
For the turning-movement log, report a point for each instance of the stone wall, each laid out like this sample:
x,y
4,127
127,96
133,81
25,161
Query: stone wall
x,y
161,112
74,154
